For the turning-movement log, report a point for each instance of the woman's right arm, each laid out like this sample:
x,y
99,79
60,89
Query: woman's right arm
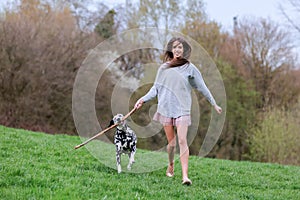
x,y
152,93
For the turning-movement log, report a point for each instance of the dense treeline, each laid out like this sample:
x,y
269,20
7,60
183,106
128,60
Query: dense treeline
x,y
43,44
41,50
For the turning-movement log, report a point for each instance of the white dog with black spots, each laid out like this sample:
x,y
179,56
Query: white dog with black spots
x,y
125,140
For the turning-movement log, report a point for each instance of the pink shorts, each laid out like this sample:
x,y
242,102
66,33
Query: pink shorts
x,y
167,121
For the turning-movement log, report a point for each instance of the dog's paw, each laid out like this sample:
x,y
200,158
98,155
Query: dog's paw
x,y
129,167
119,169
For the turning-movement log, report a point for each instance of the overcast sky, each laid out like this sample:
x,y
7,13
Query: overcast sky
x,y
223,11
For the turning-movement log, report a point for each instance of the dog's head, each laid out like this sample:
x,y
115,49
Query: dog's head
x,y
117,119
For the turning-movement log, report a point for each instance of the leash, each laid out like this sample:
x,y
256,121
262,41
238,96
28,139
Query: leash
x,y
105,130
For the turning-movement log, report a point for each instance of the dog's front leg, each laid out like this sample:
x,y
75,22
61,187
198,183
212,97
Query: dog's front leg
x,y
131,160
118,158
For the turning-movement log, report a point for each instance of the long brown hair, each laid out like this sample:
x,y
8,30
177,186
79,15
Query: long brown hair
x,y
168,55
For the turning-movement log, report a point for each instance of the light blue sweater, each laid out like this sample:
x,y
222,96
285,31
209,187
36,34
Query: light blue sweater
x,y
173,88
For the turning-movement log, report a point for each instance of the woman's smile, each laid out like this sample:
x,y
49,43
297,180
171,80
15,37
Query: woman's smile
x,y
177,49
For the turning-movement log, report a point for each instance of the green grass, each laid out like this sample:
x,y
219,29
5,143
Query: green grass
x,y
42,166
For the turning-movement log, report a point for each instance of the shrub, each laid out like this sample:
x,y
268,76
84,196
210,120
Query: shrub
x,y
277,139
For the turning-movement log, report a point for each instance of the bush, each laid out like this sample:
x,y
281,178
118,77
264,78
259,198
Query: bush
x,y
277,138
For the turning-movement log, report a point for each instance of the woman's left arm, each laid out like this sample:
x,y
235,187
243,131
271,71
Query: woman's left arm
x,y
197,82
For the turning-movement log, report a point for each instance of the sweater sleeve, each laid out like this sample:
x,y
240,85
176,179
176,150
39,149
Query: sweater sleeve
x,y
197,82
150,94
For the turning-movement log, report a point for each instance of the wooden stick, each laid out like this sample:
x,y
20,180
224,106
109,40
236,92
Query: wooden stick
x,y
105,130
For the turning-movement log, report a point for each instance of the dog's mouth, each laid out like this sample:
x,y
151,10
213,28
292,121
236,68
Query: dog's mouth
x,y
119,122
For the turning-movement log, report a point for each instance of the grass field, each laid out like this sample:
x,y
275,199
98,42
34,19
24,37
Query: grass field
x,y
42,166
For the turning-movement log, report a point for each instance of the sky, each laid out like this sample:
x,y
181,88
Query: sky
x,y
223,11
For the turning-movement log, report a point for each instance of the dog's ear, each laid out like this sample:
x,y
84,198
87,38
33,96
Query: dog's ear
x,y
111,123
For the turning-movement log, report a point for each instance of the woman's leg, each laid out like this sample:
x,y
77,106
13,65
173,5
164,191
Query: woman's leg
x,y
184,149
171,137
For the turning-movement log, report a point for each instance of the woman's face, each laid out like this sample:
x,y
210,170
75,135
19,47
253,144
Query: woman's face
x,y
177,49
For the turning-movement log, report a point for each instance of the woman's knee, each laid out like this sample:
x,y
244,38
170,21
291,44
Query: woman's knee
x,y
182,141
182,135
172,143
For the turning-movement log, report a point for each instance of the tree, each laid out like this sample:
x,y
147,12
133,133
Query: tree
x,y
86,12
266,56
41,51
291,11
163,15
196,25
208,34
240,114
106,28
194,12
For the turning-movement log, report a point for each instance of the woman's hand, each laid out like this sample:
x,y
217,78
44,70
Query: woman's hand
x,y
218,109
139,103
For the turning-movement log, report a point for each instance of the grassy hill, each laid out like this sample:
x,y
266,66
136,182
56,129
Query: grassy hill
x,y
42,166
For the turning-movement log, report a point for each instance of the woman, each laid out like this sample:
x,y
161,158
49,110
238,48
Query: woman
x,y
173,84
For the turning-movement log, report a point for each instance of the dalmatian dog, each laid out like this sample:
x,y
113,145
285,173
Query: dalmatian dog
x,y
125,140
